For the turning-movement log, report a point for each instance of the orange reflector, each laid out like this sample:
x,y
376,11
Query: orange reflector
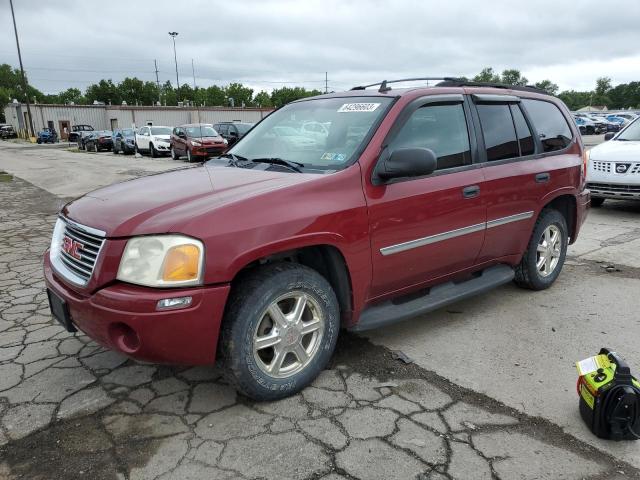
x,y
181,263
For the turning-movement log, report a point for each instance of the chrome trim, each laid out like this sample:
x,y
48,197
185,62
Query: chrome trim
x,y
511,218
84,228
439,237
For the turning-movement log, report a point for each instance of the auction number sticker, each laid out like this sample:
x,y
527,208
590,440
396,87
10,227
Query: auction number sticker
x,y
358,107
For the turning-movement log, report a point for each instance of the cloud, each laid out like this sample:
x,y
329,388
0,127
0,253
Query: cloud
x,y
266,43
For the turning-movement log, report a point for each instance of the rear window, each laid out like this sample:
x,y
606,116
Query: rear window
x,y
550,123
499,132
525,137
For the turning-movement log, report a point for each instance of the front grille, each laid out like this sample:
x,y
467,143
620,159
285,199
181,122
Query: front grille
x,y
88,247
614,189
602,166
215,149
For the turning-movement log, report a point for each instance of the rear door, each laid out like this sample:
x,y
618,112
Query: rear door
x,y
423,228
518,173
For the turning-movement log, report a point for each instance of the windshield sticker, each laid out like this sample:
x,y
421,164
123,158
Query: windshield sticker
x,y
358,107
333,157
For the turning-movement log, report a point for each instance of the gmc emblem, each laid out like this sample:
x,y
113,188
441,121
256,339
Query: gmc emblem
x,y
72,247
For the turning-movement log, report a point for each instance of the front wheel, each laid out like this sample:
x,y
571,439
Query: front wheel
x,y
596,202
174,155
152,151
189,156
279,331
542,262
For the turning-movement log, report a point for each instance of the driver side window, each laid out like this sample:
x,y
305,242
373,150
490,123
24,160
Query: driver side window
x,y
441,128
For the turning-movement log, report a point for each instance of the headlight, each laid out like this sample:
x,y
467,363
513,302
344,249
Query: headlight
x,y
195,143
162,261
56,240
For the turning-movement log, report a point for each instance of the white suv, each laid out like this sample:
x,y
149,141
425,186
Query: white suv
x,y
153,140
614,166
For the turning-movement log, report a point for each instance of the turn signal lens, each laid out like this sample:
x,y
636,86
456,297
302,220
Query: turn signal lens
x,y
181,263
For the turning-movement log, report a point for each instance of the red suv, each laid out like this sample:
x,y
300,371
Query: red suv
x,y
411,199
196,141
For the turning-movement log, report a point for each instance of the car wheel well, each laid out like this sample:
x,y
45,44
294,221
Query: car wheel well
x,y
327,260
566,205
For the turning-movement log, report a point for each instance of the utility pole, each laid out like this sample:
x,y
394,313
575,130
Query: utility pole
x,y
24,78
193,70
326,82
155,62
173,36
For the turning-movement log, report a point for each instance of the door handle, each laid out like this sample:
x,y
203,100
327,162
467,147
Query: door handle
x,y
472,191
543,177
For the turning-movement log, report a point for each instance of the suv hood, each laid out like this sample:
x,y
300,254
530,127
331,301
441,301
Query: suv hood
x,y
616,151
159,203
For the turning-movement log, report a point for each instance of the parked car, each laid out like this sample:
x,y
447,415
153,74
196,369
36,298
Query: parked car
x,y
260,256
196,141
124,140
99,140
600,124
153,140
614,166
47,135
586,127
7,131
74,134
616,119
232,131
82,137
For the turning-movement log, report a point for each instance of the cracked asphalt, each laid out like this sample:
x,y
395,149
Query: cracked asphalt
x,y
70,409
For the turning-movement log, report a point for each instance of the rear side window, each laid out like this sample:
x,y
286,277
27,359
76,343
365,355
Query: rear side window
x,y
499,132
441,128
525,137
550,124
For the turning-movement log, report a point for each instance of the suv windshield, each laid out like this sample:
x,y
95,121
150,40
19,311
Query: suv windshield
x,y
160,131
348,121
243,127
201,131
631,133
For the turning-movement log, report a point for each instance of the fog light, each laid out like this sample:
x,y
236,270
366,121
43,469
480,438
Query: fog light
x,y
169,303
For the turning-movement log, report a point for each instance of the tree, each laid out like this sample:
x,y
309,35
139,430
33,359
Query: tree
x,y
104,91
548,86
575,100
284,95
487,75
213,96
262,99
513,77
241,95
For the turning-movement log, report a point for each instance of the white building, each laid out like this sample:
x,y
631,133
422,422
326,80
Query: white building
x,y
109,117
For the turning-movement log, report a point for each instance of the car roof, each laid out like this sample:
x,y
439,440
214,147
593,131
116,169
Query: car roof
x,y
196,125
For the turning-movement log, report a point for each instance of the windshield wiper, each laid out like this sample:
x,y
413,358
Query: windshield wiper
x,y
295,166
234,159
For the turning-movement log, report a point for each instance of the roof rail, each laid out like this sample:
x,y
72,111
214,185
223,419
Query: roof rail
x,y
458,82
385,88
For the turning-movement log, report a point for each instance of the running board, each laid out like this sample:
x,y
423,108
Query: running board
x,y
393,311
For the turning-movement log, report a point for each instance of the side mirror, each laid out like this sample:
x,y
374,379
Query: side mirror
x,y
408,162
608,136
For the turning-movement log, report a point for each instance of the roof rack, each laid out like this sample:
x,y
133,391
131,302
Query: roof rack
x,y
384,88
459,82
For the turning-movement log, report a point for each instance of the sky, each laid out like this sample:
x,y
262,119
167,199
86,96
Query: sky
x,y
269,44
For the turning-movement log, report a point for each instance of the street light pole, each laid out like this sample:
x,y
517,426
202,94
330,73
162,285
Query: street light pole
x,y
24,78
173,36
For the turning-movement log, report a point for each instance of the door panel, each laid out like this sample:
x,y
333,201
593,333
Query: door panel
x,y
446,228
424,228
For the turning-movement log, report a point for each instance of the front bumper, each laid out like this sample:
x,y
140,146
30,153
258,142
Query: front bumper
x,y
163,146
124,318
208,151
616,191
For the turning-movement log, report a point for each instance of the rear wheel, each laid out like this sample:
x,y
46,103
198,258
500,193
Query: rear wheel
x,y
596,202
542,262
279,331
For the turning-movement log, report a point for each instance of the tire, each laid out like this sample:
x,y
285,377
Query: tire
x,y
95,148
590,131
528,274
189,156
282,285
596,202
114,150
38,141
174,155
152,151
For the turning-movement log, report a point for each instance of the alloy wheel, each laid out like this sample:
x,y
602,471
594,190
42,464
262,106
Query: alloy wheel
x,y
288,334
549,250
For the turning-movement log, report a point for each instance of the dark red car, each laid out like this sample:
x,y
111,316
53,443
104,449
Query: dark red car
x,y
196,141
406,200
